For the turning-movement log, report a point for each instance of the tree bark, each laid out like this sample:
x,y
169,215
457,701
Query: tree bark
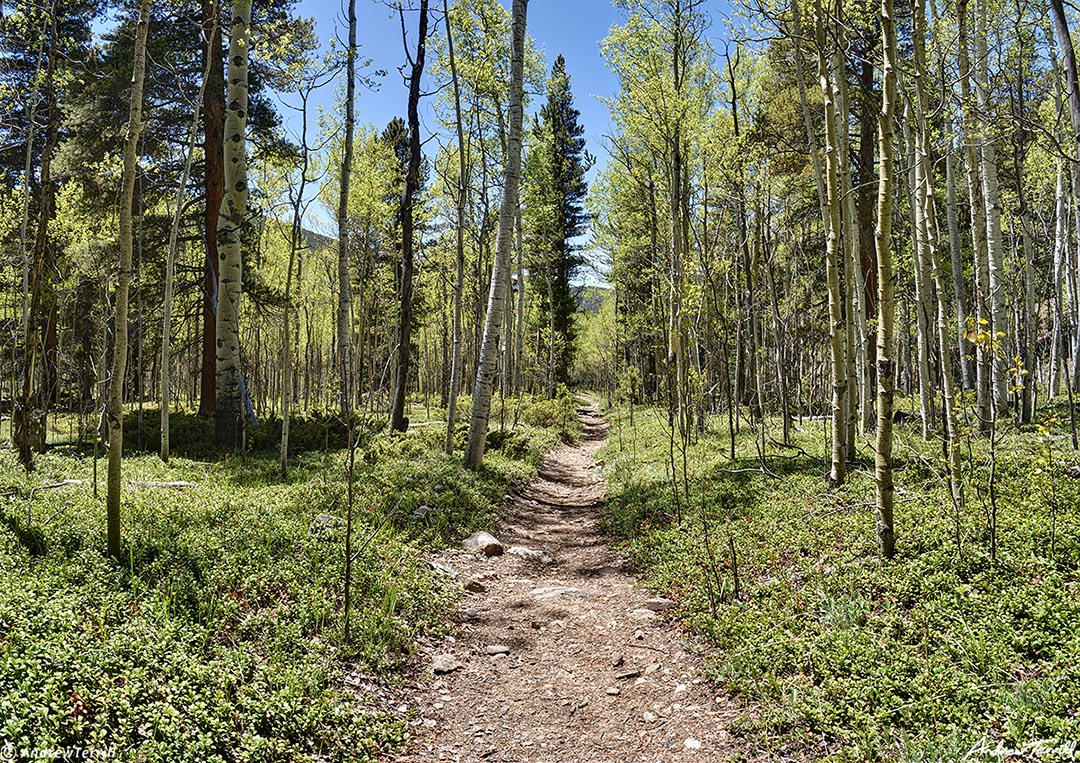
x,y
489,349
170,263
213,153
837,329
229,412
344,306
459,240
120,314
398,421
883,457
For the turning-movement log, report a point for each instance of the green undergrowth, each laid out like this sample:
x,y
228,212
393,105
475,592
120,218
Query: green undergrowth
x,y
219,636
942,654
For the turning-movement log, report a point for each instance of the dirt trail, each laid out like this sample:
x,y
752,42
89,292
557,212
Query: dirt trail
x,y
591,674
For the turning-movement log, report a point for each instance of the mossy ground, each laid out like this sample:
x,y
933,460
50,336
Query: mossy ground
x,y
942,654
219,635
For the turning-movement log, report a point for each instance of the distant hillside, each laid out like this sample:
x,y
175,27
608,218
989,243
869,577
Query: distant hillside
x,y
589,298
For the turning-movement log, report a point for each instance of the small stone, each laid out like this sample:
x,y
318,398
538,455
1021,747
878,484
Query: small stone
x,y
475,586
639,634
438,705
612,690
494,649
680,689
649,717
659,604
470,614
618,660
652,668
536,625
692,744
628,674
642,614
483,542
530,555
444,663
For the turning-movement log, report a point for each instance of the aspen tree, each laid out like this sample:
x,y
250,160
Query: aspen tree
x,y
120,316
837,330
489,348
886,312
229,412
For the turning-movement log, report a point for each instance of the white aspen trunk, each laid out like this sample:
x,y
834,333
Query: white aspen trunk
x,y
837,330
489,348
926,217
973,170
860,411
924,330
120,314
956,257
459,276
992,200
883,474
229,413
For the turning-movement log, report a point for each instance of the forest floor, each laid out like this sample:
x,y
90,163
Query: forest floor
x,y
558,654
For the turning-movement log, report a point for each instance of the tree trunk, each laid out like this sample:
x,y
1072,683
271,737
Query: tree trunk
x,y
170,263
27,420
883,458
978,221
992,199
120,314
398,421
213,153
229,412
489,349
344,335
837,330
459,273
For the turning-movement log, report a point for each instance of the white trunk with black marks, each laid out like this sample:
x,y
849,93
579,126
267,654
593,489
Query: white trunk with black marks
x,y
229,413
956,257
992,199
923,328
120,314
973,169
459,240
927,233
489,347
883,473
860,412
837,330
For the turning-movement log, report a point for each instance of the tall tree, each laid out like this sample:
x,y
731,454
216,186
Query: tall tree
x,y
344,342
214,186
398,421
561,164
228,414
120,316
489,348
883,473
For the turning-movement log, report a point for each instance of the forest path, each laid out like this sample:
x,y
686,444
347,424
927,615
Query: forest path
x,y
590,674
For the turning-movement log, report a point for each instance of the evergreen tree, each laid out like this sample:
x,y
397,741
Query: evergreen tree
x,y
558,165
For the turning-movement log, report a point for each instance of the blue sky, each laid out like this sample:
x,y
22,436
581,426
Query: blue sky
x,y
573,29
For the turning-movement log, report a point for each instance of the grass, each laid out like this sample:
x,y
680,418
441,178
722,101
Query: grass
x,y
218,638
942,654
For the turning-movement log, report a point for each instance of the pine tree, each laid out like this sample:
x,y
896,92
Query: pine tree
x,y
558,165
